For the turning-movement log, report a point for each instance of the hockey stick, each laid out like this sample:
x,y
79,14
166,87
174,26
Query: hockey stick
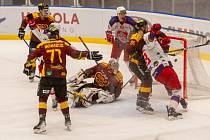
x,y
27,44
86,46
196,46
180,31
128,81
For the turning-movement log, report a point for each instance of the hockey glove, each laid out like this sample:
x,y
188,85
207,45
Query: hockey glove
x,y
31,22
21,33
93,55
109,36
27,68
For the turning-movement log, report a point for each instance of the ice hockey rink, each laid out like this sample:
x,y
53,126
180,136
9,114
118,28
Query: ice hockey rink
x,y
115,121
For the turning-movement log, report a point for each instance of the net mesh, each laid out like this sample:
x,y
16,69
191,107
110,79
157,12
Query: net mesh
x,y
189,65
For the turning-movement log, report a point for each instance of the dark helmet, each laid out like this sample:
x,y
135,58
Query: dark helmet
x,y
53,30
141,23
42,6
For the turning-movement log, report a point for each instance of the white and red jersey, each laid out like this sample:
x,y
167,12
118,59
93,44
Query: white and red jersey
x,y
122,31
154,56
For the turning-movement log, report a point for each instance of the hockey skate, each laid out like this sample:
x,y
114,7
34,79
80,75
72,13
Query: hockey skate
x,y
172,114
183,103
67,122
143,105
54,104
40,128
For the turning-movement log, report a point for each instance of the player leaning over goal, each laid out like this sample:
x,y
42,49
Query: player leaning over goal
x,y
54,72
161,68
38,22
120,29
106,87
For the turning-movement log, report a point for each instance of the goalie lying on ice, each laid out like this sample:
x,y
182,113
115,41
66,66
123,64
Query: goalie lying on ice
x,y
105,88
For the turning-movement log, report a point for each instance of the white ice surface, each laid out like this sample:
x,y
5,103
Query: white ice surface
x,y
115,121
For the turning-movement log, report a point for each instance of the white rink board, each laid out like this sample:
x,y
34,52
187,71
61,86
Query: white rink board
x,y
93,22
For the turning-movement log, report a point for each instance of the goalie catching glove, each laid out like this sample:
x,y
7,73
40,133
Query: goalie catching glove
x,y
94,55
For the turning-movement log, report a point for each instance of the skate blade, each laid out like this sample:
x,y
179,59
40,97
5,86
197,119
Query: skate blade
x,y
31,80
172,118
140,109
68,128
40,131
55,109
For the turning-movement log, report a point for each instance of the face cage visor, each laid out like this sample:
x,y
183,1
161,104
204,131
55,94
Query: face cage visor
x,y
45,12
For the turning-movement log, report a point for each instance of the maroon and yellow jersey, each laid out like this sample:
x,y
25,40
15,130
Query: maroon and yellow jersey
x,y
54,54
105,78
41,23
134,49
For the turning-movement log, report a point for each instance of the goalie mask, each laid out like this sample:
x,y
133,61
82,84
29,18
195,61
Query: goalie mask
x,y
44,10
114,65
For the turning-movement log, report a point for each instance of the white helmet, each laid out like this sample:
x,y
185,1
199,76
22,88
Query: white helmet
x,y
114,65
121,9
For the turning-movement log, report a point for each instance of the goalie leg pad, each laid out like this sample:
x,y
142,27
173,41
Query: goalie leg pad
x,y
105,97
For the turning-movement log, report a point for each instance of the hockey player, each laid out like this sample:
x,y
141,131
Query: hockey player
x,y
139,68
106,87
161,67
38,22
119,31
54,72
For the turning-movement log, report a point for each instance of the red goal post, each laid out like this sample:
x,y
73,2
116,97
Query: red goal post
x,y
184,86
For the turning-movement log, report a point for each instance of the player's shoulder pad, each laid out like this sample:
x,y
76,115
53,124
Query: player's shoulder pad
x,y
104,64
113,20
119,76
35,15
51,18
136,37
130,21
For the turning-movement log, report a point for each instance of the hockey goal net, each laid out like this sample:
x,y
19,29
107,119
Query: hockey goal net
x,y
188,63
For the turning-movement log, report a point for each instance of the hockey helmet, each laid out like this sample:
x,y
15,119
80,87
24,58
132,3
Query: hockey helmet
x,y
43,9
141,23
156,28
121,10
53,30
42,6
114,65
